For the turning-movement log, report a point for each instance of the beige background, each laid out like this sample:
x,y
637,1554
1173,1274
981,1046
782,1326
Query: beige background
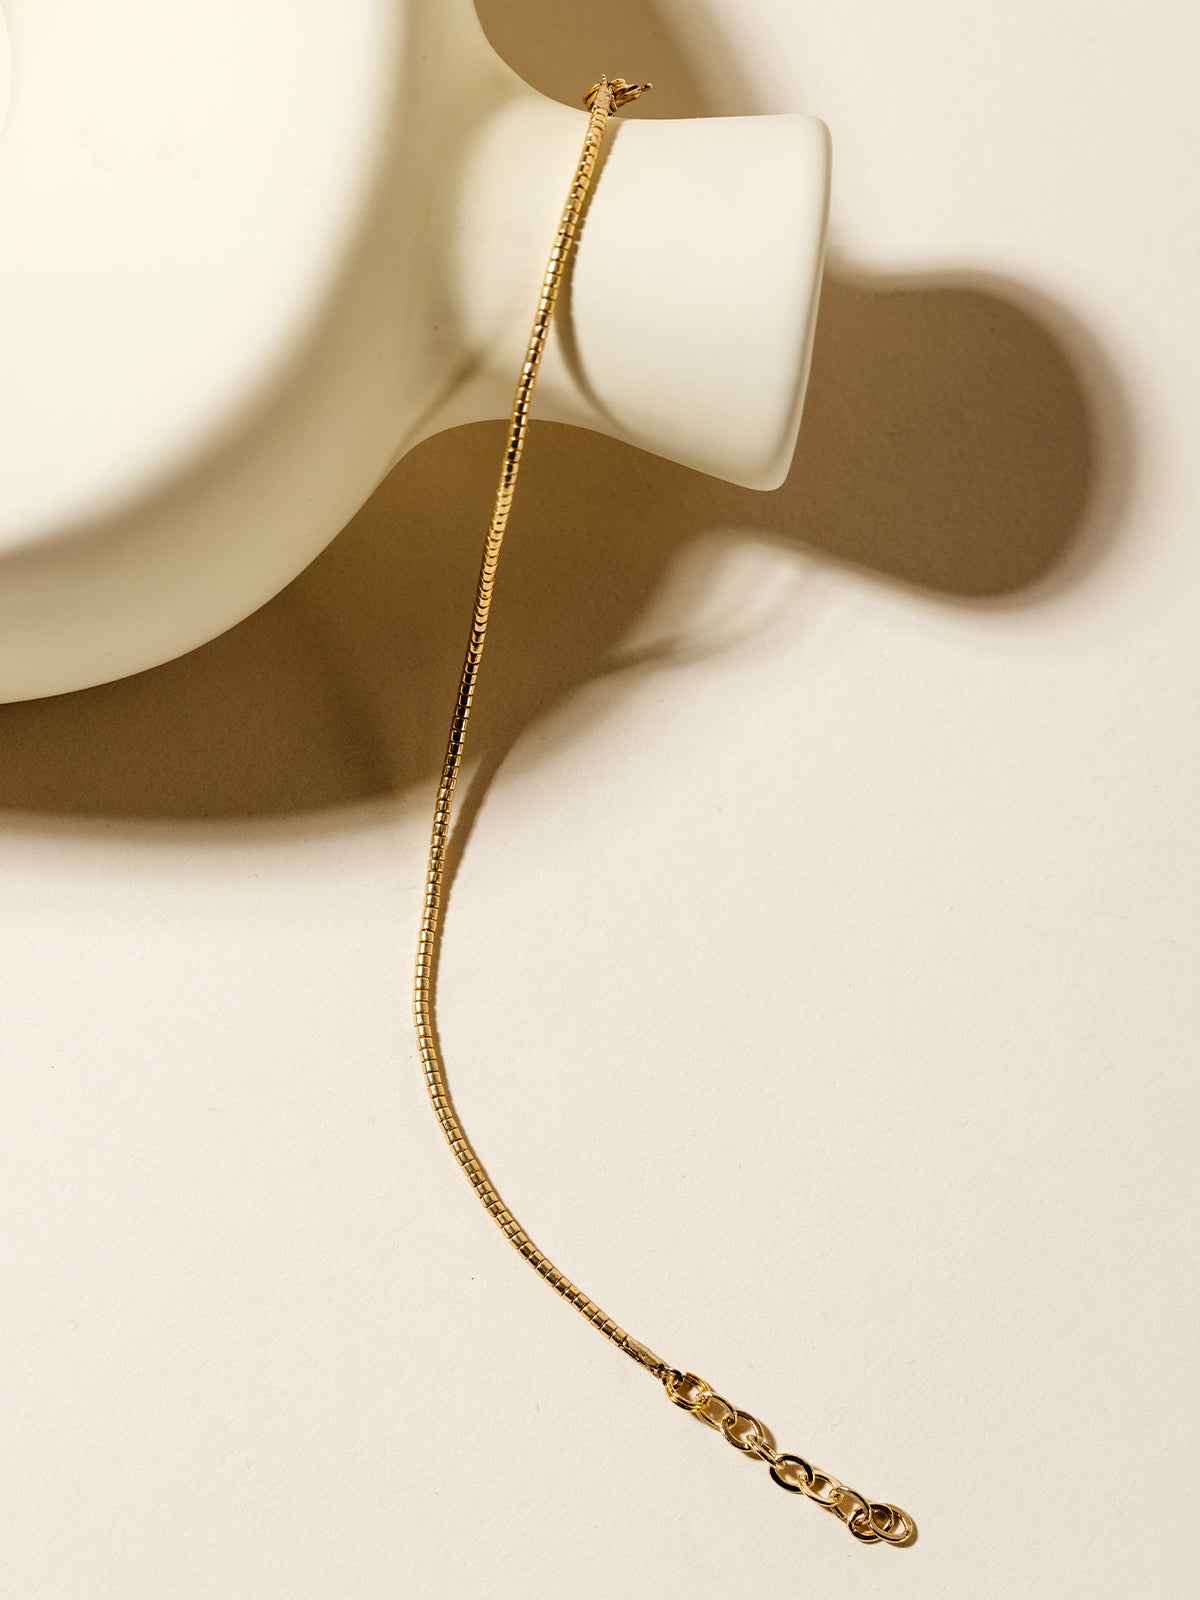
x,y
820,974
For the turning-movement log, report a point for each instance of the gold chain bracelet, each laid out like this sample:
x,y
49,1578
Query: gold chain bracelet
x,y
869,1521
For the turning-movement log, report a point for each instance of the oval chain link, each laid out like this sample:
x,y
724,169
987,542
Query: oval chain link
x,y
870,1521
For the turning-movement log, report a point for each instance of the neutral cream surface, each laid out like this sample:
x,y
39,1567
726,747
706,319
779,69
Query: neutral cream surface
x,y
819,979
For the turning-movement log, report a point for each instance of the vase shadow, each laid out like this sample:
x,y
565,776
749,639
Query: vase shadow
x,y
963,437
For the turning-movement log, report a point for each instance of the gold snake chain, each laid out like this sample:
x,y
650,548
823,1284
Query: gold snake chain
x,y
869,1521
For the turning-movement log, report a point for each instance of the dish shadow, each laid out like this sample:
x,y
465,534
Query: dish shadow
x,y
963,436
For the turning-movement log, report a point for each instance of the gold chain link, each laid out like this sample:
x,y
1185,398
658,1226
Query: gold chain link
x,y
866,1520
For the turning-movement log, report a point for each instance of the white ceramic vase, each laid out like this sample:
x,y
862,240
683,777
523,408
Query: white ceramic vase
x,y
252,251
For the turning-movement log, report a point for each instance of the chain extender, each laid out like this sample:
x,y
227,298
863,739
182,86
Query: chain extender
x,y
869,1521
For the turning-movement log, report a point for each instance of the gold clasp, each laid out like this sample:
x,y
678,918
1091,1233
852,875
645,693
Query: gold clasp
x,y
621,92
